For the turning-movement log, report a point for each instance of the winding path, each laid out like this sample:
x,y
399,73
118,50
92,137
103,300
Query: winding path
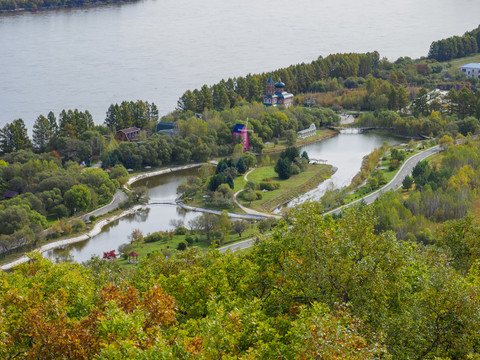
x,y
394,184
119,196
248,210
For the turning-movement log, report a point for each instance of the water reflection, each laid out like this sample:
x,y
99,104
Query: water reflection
x,y
149,219
344,151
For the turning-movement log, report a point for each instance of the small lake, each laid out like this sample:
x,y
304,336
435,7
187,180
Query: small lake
x,y
344,151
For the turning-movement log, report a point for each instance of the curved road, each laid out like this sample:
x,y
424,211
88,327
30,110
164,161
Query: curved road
x,y
118,197
394,184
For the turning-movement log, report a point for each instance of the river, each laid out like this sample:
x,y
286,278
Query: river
x,y
152,218
154,50
344,151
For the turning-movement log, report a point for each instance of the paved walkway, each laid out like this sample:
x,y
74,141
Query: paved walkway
x,y
118,198
248,210
394,184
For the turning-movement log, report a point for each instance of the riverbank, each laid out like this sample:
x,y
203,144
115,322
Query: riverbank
x,y
146,175
321,135
290,189
97,228
140,176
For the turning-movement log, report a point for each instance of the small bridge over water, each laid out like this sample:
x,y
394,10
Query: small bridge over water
x,y
162,202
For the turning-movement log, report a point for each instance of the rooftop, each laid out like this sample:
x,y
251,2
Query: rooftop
x,y
471,66
129,130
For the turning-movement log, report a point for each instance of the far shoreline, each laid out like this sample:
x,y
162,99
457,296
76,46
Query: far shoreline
x,y
64,7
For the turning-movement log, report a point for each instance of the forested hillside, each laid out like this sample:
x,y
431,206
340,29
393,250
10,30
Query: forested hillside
x,y
455,46
320,288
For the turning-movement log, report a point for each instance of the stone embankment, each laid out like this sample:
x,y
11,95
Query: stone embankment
x,y
97,228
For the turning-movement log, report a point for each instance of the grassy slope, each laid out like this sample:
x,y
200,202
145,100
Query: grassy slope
x,y
143,249
286,186
282,145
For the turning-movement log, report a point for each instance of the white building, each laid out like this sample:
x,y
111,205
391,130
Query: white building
x,y
311,131
471,70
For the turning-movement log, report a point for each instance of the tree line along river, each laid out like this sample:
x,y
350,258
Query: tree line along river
x,y
155,50
345,151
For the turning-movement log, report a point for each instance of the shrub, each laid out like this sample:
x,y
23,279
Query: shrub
x,y
78,225
182,245
269,186
295,169
189,240
182,230
259,195
92,218
124,249
156,236
67,228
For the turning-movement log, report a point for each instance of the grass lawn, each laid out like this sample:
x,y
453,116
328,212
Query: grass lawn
x,y
282,144
456,63
287,187
143,249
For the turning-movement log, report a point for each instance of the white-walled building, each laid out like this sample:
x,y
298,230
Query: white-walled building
x,y
471,70
311,131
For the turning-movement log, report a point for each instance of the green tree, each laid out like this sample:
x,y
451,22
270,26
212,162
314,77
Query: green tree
x,y
239,226
78,198
402,98
421,103
224,225
42,134
14,137
207,97
283,168
240,166
407,182
291,137
249,195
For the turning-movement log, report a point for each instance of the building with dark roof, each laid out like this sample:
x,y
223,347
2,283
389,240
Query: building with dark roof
x,y
275,94
166,127
130,134
9,194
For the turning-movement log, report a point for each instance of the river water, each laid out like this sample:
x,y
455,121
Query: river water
x,y
154,50
152,218
344,151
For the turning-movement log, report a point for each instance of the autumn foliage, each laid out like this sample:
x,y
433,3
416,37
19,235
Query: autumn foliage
x,y
318,288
